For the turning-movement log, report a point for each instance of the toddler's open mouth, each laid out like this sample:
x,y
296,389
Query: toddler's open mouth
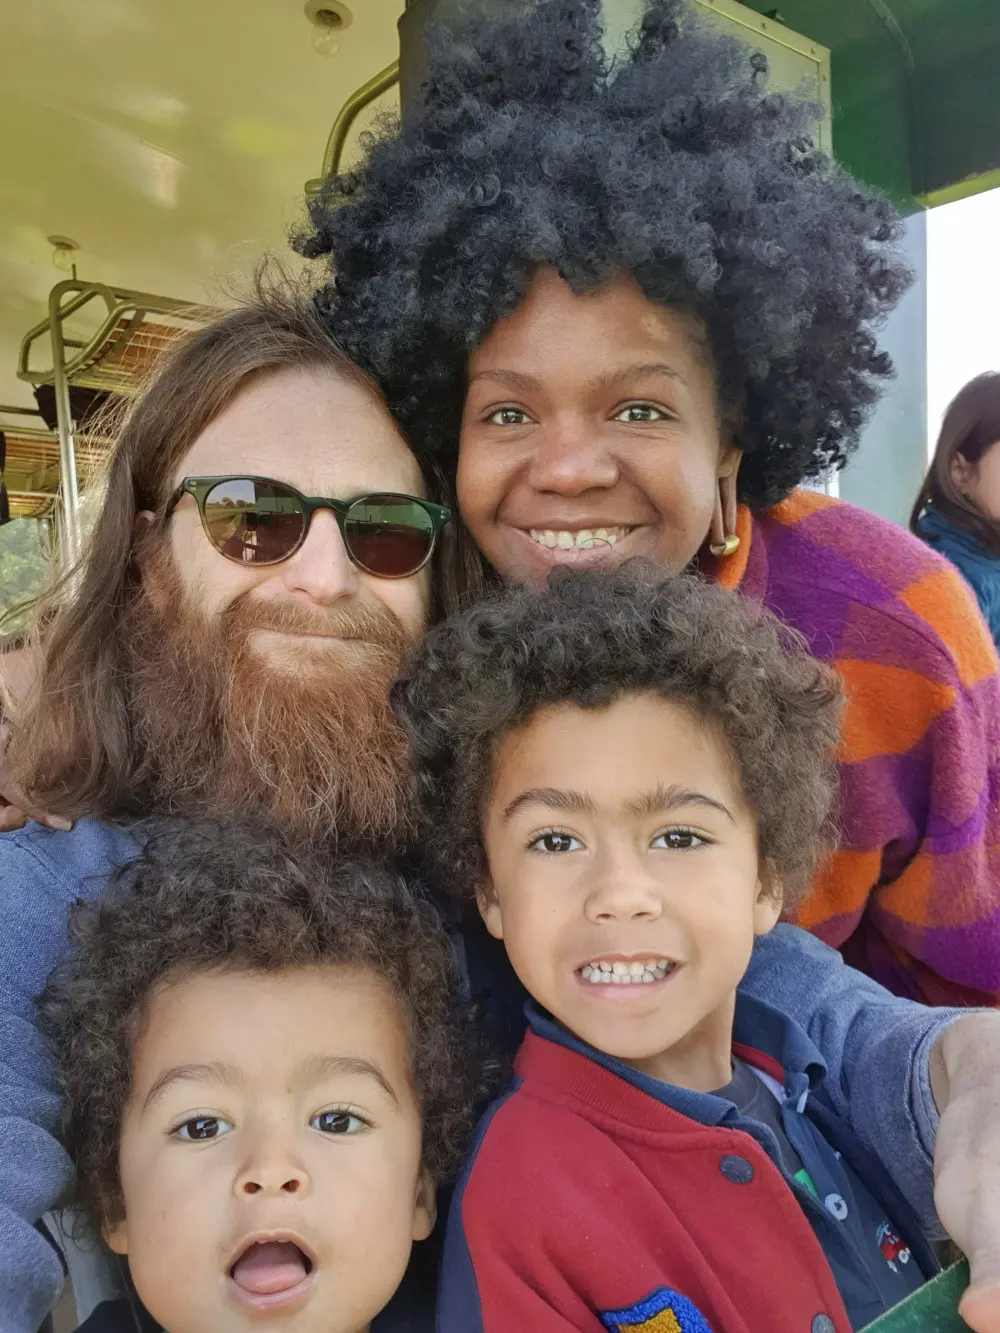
x,y
272,1272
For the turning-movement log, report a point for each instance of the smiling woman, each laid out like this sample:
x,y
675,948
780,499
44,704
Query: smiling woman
x,y
630,308
591,427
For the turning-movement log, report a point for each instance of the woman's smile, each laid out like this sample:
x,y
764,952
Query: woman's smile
x,y
579,479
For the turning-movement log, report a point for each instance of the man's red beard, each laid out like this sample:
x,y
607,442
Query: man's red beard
x,y
309,745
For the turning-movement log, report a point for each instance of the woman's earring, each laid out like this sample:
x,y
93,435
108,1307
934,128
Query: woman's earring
x,y
725,541
727,547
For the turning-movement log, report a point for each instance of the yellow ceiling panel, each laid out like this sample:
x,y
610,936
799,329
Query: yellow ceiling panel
x,y
170,138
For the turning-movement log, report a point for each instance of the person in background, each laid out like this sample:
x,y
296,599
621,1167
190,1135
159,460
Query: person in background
x,y
18,668
958,509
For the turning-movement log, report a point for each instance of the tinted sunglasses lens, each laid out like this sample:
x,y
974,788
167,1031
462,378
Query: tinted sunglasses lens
x,y
253,522
389,535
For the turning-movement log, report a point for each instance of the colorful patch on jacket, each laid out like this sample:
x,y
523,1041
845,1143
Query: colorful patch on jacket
x,y
894,1250
662,1311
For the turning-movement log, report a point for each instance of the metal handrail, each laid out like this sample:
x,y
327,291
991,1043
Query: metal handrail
x,y
110,336
377,85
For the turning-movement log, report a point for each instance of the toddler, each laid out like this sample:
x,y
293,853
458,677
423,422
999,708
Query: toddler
x,y
265,1080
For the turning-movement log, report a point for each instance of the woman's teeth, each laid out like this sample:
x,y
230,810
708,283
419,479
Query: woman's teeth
x,y
583,540
626,974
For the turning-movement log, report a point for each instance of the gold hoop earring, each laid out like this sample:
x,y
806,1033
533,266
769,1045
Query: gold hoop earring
x,y
729,547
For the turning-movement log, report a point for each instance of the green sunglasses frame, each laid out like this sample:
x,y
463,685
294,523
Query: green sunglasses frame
x,y
200,488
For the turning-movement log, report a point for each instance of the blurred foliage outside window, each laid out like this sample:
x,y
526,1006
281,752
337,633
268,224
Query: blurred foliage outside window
x,y
26,562
24,566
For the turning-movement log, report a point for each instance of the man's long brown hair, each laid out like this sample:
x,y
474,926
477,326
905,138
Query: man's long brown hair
x,y
971,424
74,750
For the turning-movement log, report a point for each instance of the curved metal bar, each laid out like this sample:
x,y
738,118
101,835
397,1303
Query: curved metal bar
x,y
85,292
72,360
349,112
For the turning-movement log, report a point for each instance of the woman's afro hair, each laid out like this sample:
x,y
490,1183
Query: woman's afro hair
x,y
675,165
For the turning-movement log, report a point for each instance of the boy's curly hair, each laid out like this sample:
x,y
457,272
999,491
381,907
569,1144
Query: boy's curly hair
x,y
591,639
673,165
207,896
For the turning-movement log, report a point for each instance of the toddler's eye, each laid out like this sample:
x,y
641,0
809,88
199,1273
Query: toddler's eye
x,y
202,1127
508,416
640,412
554,840
338,1122
678,840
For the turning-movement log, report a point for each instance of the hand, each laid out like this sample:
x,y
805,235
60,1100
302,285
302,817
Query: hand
x,y
965,1077
15,808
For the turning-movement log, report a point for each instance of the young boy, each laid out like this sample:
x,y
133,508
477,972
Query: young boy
x,y
635,777
265,1080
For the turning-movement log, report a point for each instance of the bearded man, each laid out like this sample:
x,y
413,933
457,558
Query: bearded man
x,y
218,658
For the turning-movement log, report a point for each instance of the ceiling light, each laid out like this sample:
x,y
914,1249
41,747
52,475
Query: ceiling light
x,y
329,18
64,248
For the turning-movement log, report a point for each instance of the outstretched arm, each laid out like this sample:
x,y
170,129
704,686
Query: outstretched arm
x,y
877,1049
920,1086
965,1076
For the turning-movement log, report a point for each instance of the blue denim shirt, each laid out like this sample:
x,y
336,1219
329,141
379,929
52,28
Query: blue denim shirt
x,y
876,1049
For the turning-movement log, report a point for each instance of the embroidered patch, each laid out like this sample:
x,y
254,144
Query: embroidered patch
x,y
894,1250
662,1311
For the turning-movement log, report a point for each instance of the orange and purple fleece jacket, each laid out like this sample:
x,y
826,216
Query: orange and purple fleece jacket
x,y
912,896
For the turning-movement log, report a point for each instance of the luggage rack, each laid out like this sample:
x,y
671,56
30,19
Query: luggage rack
x,y
30,458
99,340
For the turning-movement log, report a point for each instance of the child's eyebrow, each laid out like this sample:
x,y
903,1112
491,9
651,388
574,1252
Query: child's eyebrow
x,y
570,802
659,800
215,1072
314,1069
319,1067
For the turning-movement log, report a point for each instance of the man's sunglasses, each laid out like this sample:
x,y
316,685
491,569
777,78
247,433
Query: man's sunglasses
x,y
257,521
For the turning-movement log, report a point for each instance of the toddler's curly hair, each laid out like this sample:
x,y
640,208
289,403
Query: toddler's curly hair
x,y
673,165
207,896
591,639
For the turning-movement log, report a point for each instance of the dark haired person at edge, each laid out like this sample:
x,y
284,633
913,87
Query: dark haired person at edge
x,y
958,508
630,309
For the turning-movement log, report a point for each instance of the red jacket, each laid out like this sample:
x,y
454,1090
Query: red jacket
x,y
590,1204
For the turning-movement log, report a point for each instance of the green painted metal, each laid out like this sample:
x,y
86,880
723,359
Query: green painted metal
x,y
915,105
916,110
932,1309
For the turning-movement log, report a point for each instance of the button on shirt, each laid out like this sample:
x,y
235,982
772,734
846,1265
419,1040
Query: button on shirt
x,y
838,1188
